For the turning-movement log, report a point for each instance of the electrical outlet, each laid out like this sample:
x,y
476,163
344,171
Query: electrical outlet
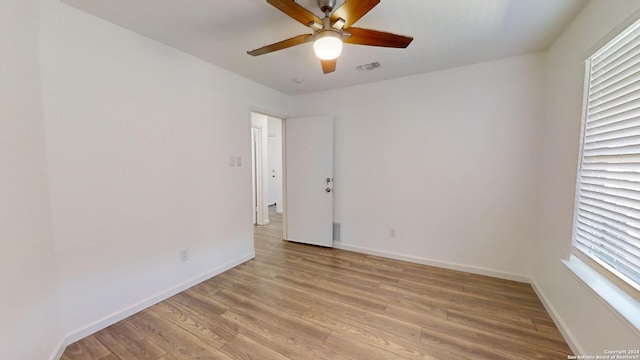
x,y
392,233
184,255
239,161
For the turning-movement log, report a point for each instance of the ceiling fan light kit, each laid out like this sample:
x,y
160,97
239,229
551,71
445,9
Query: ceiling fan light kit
x,y
327,45
333,30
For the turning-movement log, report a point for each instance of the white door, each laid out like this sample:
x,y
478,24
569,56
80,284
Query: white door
x,y
309,180
272,154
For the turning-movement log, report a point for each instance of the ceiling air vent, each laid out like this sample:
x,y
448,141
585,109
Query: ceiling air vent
x,y
369,67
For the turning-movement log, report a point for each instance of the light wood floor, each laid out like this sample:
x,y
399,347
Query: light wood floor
x,y
303,302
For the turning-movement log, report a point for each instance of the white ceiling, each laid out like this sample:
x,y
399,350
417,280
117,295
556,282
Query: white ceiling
x,y
447,33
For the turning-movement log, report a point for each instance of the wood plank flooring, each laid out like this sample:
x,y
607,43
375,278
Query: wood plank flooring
x,y
299,302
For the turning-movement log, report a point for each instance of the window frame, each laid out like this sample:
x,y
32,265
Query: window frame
x,y
618,291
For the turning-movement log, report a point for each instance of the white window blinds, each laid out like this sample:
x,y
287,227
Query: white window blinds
x,y
607,219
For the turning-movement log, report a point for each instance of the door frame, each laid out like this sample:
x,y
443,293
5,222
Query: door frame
x,y
284,119
261,208
285,211
257,157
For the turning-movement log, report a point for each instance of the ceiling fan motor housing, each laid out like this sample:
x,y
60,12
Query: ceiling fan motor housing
x,y
326,6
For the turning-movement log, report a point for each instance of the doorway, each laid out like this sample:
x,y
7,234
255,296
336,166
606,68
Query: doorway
x,y
266,161
302,178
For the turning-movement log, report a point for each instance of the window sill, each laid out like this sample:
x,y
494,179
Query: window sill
x,y
624,304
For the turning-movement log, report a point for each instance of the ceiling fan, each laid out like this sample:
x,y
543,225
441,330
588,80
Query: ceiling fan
x,y
333,30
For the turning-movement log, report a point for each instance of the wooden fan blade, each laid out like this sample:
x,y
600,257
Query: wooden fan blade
x,y
298,40
352,10
299,13
328,66
376,38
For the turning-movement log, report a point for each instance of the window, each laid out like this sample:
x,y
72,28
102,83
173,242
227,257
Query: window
x,y
607,216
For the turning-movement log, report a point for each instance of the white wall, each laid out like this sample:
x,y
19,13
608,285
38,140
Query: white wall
x,y
30,327
447,159
139,137
591,326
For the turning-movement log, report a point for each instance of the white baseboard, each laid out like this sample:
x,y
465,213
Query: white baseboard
x,y
141,305
57,352
557,319
437,263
